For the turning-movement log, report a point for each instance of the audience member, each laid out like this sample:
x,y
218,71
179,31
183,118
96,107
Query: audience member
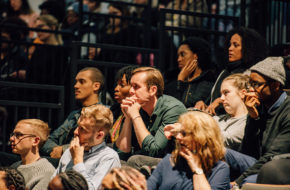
x,y
47,61
119,32
196,163
11,178
22,10
195,78
70,180
122,91
13,60
146,113
232,124
88,153
27,138
48,22
124,178
87,87
71,22
245,48
267,131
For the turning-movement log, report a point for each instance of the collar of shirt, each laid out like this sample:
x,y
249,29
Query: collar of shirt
x,y
96,148
278,102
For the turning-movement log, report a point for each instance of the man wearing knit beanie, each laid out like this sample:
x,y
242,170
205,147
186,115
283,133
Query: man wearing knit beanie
x,y
267,133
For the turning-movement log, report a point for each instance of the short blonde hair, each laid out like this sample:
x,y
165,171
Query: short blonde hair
x,y
240,80
154,78
205,132
39,128
102,115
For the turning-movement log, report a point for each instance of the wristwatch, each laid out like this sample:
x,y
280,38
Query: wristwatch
x,y
198,171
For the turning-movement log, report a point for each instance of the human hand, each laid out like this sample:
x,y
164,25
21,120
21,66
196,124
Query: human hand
x,y
187,70
130,107
200,105
76,150
252,101
191,157
56,152
211,108
171,130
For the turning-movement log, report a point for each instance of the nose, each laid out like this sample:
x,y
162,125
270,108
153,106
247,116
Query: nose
x,y
76,131
222,97
76,85
231,47
117,88
132,91
179,58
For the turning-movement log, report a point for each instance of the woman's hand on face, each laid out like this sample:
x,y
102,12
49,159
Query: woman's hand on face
x,y
187,70
192,159
171,130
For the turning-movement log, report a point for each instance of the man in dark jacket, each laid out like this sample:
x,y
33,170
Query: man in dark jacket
x,y
267,132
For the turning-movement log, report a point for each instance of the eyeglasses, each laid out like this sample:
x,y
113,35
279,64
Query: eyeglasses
x,y
256,84
17,135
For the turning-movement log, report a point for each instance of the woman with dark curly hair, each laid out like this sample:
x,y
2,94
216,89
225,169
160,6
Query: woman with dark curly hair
x,y
245,47
196,162
11,178
195,78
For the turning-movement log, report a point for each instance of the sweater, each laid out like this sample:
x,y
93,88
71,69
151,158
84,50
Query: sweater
x,y
37,175
166,176
232,129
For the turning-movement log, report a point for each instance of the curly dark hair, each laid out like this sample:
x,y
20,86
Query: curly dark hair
x,y
24,9
202,48
127,71
72,180
254,46
13,177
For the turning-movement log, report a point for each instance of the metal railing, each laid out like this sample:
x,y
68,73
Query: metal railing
x,y
30,105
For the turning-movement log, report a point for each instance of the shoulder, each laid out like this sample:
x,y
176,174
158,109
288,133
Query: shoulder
x,y
169,102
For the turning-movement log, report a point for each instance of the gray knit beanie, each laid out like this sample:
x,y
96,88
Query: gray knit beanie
x,y
271,67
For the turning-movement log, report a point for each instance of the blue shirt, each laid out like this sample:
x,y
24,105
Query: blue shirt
x,y
167,177
97,162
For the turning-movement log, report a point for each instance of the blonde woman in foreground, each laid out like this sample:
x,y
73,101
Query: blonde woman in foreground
x,y
196,162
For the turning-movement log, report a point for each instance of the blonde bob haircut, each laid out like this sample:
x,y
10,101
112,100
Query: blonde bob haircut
x,y
102,116
39,129
154,78
240,80
205,132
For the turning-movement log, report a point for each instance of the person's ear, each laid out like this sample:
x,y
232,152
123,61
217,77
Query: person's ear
x,y
275,86
36,141
97,86
153,90
242,93
101,134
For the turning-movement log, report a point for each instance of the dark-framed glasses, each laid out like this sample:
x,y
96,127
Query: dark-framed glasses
x,y
18,135
256,84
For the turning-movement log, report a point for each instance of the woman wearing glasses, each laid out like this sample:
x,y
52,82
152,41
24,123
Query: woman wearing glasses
x,y
26,140
196,162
